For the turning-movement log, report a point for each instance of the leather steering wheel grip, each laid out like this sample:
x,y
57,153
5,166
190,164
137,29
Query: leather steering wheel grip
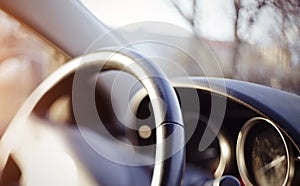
x,y
170,151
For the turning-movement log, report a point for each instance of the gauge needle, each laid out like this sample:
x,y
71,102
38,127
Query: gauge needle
x,y
272,163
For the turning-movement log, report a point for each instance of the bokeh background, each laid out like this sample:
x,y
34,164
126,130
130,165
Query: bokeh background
x,y
253,40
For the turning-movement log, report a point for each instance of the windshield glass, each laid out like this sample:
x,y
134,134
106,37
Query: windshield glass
x,y
253,40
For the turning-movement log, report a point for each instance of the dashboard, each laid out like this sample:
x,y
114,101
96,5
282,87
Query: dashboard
x,y
228,131
248,143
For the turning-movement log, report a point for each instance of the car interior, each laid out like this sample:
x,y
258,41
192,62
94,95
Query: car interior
x,y
147,103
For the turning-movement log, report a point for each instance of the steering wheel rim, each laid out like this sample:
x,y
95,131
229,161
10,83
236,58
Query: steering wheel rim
x,y
169,156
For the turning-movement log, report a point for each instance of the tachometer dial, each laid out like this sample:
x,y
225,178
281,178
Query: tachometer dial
x,y
216,156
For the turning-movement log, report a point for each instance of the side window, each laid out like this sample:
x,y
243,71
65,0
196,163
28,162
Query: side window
x,y
25,59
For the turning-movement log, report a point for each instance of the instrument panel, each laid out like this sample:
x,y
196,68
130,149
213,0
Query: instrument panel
x,y
248,145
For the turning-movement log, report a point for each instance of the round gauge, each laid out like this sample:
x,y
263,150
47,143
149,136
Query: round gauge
x,y
215,157
263,155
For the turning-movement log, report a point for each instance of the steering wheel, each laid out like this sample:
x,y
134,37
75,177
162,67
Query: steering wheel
x,y
169,154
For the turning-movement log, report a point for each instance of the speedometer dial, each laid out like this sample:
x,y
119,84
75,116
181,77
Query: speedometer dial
x,y
269,158
263,154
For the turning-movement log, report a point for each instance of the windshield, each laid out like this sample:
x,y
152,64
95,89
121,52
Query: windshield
x,y
253,40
